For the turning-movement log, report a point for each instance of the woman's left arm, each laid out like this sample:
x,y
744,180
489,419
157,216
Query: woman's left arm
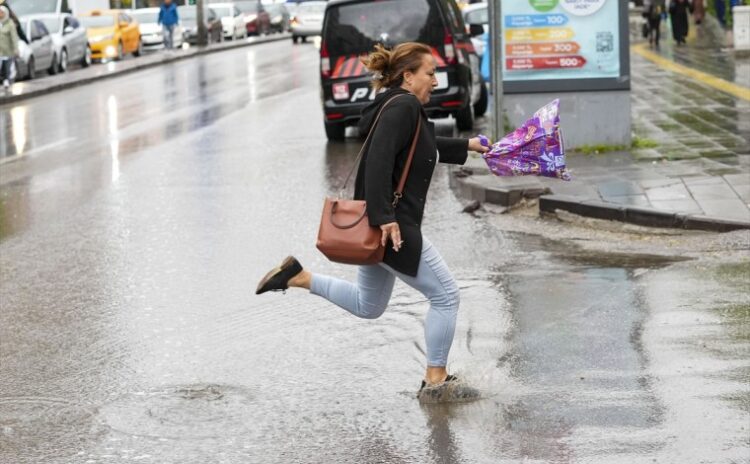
x,y
456,150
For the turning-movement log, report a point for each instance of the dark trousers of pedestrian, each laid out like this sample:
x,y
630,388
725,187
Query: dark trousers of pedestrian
x,y
168,36
654,30
4,69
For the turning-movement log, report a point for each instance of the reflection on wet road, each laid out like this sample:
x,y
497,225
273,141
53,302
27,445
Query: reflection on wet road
x,y
140,212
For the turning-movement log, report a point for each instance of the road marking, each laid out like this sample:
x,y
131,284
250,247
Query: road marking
x,y
712,81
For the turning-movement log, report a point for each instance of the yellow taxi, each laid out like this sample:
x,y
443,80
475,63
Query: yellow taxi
x,y
112,34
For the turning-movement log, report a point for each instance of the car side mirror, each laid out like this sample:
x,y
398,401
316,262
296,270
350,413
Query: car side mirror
x,y
476,30
68,30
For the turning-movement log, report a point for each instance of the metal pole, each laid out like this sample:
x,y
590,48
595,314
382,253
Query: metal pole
x,y
202,38
496,66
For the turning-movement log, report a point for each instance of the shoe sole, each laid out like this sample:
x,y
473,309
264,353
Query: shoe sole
x,y
287,262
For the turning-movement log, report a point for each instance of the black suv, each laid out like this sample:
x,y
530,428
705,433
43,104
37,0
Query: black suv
x,y
351,28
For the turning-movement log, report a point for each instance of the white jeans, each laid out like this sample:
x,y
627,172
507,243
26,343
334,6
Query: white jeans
x,y
369,297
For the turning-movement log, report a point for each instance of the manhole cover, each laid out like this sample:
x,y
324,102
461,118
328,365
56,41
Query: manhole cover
x,y
189,411
34,428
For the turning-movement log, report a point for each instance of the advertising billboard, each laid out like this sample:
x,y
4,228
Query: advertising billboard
x,y
564,45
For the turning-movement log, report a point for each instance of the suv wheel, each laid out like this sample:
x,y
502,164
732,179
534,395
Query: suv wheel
x,y
335,130
480,107
465,118
295,38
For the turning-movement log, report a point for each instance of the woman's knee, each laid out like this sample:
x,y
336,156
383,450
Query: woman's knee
x,y
370,310
449,298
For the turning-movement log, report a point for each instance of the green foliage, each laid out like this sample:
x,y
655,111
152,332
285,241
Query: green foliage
x,y
598,149
640,142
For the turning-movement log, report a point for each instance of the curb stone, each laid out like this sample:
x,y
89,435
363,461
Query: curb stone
x,y
166,59
638,215
473,188
479,188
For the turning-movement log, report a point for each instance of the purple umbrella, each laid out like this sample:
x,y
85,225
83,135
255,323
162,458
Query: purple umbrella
x,y
535,148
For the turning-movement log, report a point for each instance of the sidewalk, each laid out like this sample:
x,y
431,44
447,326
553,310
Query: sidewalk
x,y
692,167
33,88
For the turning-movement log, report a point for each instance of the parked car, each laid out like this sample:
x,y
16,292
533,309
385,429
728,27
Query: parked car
x,y
112,34
279,16
353,27
189,22
232,20
476,18
39,54
308,20
152,33
257,19
68,38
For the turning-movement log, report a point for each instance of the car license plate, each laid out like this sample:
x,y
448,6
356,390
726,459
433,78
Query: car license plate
x,y
442,80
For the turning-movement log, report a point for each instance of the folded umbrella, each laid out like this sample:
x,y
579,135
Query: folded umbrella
x,y
535,148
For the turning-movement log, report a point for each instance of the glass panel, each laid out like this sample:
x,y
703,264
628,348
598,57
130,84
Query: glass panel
x,y
355,28
52,24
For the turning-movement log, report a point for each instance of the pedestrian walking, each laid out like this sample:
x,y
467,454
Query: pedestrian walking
x,y
678,14
653,11
407,73
168,18
19,30
8,45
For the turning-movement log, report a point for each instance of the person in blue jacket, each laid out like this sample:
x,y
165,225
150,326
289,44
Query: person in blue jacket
x,y
168,18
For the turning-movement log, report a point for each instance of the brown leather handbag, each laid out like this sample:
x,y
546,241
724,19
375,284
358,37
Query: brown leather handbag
x,y
345,235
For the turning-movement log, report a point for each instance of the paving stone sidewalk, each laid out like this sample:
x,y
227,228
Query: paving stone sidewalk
x,y
690,163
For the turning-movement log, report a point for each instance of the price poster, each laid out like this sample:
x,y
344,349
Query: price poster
x,y
563,40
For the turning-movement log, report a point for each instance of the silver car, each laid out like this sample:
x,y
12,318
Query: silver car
x,y
39,54
69,38
308,20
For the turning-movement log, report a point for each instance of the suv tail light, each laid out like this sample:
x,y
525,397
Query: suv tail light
x,y
325,61
452,55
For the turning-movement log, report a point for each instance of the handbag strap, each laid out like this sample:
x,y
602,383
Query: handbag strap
x,y
402,182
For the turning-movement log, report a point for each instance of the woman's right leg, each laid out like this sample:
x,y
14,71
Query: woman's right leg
x,y
367,299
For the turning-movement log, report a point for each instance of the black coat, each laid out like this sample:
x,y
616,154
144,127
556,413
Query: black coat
x,y
383,162
678,13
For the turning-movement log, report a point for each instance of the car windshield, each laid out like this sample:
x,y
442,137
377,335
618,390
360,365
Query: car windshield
x,y
222,11
52,24
97,21
145,17
27,7
275,8
355,28
316,8
247,7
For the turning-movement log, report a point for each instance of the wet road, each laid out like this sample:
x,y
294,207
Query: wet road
x,y
137,215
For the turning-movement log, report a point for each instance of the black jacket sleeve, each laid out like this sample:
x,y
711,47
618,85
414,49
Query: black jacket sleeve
x,y
392,135
452,150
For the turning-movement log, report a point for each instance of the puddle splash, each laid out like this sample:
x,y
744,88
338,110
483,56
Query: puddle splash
x,y
182,412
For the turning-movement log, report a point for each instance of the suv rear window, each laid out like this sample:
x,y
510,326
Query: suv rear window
x,y
355,28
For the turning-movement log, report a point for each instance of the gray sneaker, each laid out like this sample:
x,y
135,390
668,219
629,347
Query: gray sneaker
x,y
452,390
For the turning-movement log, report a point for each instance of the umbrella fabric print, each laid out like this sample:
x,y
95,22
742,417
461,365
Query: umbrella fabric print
x,y
535,148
